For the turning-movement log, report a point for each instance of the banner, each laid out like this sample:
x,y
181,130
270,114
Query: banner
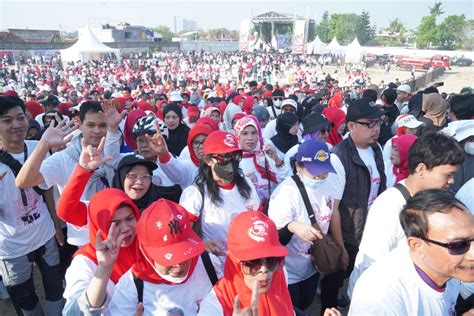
x,y
244,35
299,37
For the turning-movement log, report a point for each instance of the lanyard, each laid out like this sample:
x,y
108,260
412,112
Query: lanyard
x,y
22,192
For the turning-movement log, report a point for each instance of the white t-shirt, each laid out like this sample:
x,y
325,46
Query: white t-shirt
x,y
368,157
78,276
466,195
287,205
215,219
392,286
391,177
17,236
56,170
382,233
158,299
182,172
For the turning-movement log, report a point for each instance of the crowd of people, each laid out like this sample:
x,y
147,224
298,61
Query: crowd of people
x,y
189,184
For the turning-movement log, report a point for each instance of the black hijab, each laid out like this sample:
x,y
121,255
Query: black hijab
x,y
283,140
150,196
178,137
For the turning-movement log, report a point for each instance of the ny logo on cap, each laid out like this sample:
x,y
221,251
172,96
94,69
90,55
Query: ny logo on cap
x,y
175,227
321,156
258,231
372,104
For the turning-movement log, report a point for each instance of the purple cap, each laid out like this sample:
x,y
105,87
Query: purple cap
x,y
315,156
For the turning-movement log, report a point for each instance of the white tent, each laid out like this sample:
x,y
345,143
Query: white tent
x,y
317,47
88,47
334,47
354,52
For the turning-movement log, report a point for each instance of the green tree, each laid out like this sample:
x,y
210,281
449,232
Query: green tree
x,y
365,31
467,37
436,10
451,31
427,34
322,29
165,31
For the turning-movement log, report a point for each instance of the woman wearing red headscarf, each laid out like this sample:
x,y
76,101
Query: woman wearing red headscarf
x,y
254,281
181,171
98,265
338,119
396,169
130,121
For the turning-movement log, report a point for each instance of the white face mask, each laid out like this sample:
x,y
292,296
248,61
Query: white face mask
x,y
469,148
277,103
168,278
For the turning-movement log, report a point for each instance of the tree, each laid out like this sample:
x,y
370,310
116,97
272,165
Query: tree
x,y
165,31
436,10
365,31
451,31
467,36
322,29
427,34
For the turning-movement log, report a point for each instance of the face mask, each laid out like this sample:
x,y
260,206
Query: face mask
x,y
277,103
227,171
469,148
166,277
312,183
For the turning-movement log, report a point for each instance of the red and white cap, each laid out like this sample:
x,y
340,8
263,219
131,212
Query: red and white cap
x,y
407,120
220,142
165,234
253,235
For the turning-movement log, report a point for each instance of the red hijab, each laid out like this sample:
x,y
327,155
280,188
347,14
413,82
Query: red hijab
x,y
403,144
276,301
336,116
159,109
102,208
131,119
198,129
209,122
248,105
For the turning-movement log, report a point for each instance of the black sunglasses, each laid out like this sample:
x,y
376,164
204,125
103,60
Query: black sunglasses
x,y
224,159
455,248
252,267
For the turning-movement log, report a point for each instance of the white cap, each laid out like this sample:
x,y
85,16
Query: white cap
x,y
289,102
460,130
175,96
404,88
407,120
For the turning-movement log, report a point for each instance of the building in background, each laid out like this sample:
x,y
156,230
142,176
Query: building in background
x,y
36,36
182,25
124,32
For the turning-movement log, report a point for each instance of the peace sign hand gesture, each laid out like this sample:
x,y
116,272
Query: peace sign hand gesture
x,y
252,310
107,250
157,142
91,158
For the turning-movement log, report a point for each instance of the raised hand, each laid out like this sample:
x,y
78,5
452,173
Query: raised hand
x,y
271,152
112,116
251,310
91,158
107,250
60,135
157,142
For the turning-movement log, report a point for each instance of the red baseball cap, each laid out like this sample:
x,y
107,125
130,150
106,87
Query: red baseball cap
x,y
165,234
253,235
220,142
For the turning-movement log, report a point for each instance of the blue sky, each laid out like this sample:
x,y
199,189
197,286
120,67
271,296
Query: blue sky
x,y
72,14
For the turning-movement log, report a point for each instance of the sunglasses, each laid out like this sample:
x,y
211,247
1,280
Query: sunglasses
x,y
277,98
252,267
455,248
224,159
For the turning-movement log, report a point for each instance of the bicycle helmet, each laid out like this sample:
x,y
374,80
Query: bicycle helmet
x,y
146,125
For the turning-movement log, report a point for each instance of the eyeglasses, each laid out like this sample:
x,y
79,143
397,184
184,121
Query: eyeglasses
x,y
324,131
197,144
135,177
371,124
252,267
226,158
455,248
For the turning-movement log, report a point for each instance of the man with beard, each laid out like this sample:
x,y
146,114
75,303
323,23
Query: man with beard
x,y
360,177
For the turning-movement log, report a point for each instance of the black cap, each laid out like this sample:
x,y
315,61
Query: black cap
x,y
363,108
314,122
135,159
